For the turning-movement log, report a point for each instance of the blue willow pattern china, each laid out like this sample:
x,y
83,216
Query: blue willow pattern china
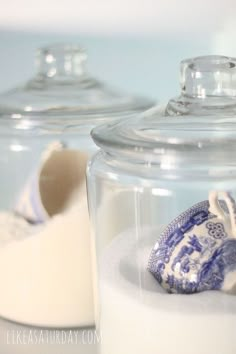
x,y
197,250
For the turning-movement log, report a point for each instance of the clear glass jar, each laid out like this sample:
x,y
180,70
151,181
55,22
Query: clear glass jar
x,y
45,265
152,190
208,86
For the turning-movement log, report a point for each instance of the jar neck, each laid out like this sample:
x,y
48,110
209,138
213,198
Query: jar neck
x,y
169,166
208,76
61,62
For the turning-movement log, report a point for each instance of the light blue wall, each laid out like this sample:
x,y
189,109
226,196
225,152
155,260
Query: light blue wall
x,y
147,66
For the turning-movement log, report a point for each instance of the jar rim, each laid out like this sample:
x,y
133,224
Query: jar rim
x,y
56,121
33,124
149,136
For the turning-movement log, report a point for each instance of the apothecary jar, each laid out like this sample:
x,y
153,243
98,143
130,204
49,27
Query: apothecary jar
x,y
45,124
162,194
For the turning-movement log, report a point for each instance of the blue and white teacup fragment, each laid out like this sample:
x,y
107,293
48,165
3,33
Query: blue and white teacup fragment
x,y
29,204
197,250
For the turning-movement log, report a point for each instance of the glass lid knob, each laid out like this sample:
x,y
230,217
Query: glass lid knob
x,y
212,75
61,61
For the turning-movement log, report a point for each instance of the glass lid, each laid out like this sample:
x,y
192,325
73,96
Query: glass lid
x,y
208,86
62,86
151,136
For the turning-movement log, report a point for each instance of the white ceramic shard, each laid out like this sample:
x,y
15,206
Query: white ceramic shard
x,y
54,186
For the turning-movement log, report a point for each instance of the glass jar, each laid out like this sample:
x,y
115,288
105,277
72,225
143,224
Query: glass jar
x,y
208,86
162,205
45,266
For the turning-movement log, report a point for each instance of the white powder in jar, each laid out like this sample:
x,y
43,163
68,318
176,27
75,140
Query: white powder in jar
x,y
138,316
45,270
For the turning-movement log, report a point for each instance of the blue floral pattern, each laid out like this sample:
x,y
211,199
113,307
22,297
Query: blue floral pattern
x,y
184,261
216,229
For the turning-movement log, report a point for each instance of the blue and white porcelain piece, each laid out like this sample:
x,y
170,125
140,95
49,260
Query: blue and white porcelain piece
x,y
29,204
197,250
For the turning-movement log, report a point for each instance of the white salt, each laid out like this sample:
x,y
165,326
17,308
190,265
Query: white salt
x,y
138,316
45,270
